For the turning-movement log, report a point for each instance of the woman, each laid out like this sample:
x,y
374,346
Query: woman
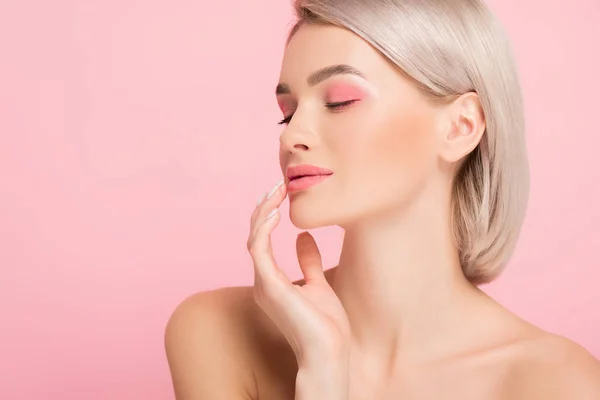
x,y
404,126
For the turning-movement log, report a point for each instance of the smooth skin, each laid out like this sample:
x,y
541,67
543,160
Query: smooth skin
x,y
396,318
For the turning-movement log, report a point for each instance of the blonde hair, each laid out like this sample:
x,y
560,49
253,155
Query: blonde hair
x,y
451,47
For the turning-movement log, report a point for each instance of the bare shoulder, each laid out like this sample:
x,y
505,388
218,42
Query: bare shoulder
x,y
552,367
204,346
221,345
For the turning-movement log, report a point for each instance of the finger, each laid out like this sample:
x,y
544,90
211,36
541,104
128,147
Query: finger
x,y
256,209
261,250
309,258
273,200
265,198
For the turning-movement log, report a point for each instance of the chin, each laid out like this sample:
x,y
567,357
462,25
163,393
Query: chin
x,y
305,221
308,217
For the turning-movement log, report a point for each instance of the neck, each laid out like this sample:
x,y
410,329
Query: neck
x,y
401,284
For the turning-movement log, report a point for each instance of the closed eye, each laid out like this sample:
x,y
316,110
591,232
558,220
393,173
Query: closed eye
x,y
331,106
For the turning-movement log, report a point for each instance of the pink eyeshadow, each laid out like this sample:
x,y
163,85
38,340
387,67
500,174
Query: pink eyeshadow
x,y
284,107
339,92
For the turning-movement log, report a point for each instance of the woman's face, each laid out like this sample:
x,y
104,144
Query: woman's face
x,y
380,143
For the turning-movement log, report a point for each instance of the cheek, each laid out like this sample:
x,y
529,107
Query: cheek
x,y
385,161
408,144
387,148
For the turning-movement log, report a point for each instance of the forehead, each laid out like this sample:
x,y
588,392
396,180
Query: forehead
x,y
317,46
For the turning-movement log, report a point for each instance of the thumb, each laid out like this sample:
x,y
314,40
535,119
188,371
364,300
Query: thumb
x,y
309,258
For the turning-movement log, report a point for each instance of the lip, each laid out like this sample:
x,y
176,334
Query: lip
x,y
303,176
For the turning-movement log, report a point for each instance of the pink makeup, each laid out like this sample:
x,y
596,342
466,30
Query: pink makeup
x,y
303,176
305,182
341,91
284,106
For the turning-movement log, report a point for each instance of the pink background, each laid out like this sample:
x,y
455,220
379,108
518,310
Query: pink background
x,y
136,136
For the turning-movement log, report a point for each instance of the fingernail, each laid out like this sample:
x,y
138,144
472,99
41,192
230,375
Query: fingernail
x,y
272,192
272,213
261,199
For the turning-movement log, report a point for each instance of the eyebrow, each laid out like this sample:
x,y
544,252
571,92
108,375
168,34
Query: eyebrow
x,y
321,75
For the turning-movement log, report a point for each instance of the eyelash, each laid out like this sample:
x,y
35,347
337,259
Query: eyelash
x,y
331,106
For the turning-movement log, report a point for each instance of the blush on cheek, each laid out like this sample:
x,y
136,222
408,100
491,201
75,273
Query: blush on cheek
x,y
339,92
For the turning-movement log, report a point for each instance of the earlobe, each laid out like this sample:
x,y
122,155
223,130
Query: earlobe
x,y
467,125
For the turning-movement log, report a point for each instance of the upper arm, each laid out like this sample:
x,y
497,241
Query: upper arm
x,y
566,372
201,351
582,375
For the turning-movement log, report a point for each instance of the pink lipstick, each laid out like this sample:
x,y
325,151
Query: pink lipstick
x,y
304,176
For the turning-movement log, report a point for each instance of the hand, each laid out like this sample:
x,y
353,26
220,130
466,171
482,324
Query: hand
x,y
311,317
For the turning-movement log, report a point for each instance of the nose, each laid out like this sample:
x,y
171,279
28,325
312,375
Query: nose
x,y
295,139
292,144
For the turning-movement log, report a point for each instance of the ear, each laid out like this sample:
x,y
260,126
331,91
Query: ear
x,y
465,128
